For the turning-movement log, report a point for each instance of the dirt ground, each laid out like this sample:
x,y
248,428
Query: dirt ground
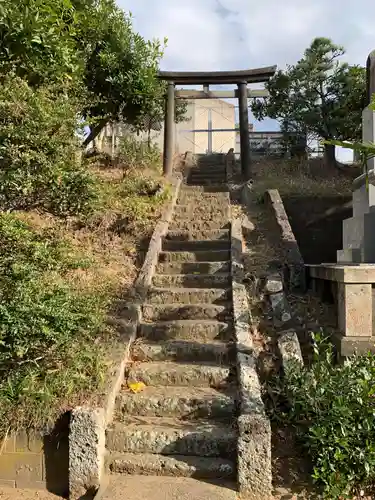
x,y
309,190
25,494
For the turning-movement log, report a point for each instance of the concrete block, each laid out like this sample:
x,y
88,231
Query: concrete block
x,y
349,256
22,466
254,472
86,450
355,309
353,232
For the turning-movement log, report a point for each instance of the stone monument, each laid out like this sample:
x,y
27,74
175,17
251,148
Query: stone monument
x,y
352,278
359,230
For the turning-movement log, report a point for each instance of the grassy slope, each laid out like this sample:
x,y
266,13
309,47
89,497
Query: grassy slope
x,y
107,245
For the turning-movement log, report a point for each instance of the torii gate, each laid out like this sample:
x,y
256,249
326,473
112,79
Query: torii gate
x,y
240,78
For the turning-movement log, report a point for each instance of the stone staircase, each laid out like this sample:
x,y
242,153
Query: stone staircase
x,y
183,423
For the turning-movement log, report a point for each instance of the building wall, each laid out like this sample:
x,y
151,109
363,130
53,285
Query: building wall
x,y
187,138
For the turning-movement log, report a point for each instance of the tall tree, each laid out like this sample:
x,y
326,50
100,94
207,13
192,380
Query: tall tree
x,y
92,45
319,94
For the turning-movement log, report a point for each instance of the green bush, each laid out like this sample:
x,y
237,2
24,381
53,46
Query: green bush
x,y
39,160
42,319
136,153
333,409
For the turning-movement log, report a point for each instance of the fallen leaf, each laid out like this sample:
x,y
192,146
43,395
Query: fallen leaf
x,y
137,387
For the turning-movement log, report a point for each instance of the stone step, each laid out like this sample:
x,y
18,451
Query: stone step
x,y
198,330
189,296
183,351
147,464
219,280
168,373
195,256
219,188
169,312
203,199
168,436
206,182
190,403
215,234
203,225
206,178
194,211
193,267
191,246
135,487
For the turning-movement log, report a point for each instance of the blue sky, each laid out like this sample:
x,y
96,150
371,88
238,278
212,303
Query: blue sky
x,y
239,34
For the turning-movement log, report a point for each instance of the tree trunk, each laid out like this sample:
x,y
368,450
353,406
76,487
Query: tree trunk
x,y
94,131
329,155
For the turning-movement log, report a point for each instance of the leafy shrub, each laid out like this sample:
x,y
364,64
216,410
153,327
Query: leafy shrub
x,y
39,164
333,409
136,153
41,317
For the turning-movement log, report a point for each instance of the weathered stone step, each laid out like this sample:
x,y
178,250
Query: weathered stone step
x,y
189,296
192,210
205,182
219,188
186,246
203,200
198,330
168,312
190,403
182,350
219,280
182,374
214,234
168,436
193,267
206,178
197,223
195,256
147,464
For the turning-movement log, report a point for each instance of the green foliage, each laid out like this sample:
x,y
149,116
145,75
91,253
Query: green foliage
x,y
41,316
137,153
319,94
39,165
332,407
366,151
91,45
37,40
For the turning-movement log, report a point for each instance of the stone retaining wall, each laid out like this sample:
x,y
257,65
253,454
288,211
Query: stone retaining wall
x,y
254,471
36,460
293,257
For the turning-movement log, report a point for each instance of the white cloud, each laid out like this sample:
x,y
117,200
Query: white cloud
x,y
240,34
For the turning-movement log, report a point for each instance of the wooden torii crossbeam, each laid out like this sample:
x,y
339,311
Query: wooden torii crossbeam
x,y
239,78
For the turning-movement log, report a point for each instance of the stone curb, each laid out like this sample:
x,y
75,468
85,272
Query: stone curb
x,y
288,343
290,349
295,263
88,424
254,472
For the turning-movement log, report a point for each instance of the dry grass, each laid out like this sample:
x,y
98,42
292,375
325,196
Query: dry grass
x,y
296,178
109,239
110,244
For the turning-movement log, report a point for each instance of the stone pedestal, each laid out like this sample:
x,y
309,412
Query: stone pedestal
x,y
354,303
